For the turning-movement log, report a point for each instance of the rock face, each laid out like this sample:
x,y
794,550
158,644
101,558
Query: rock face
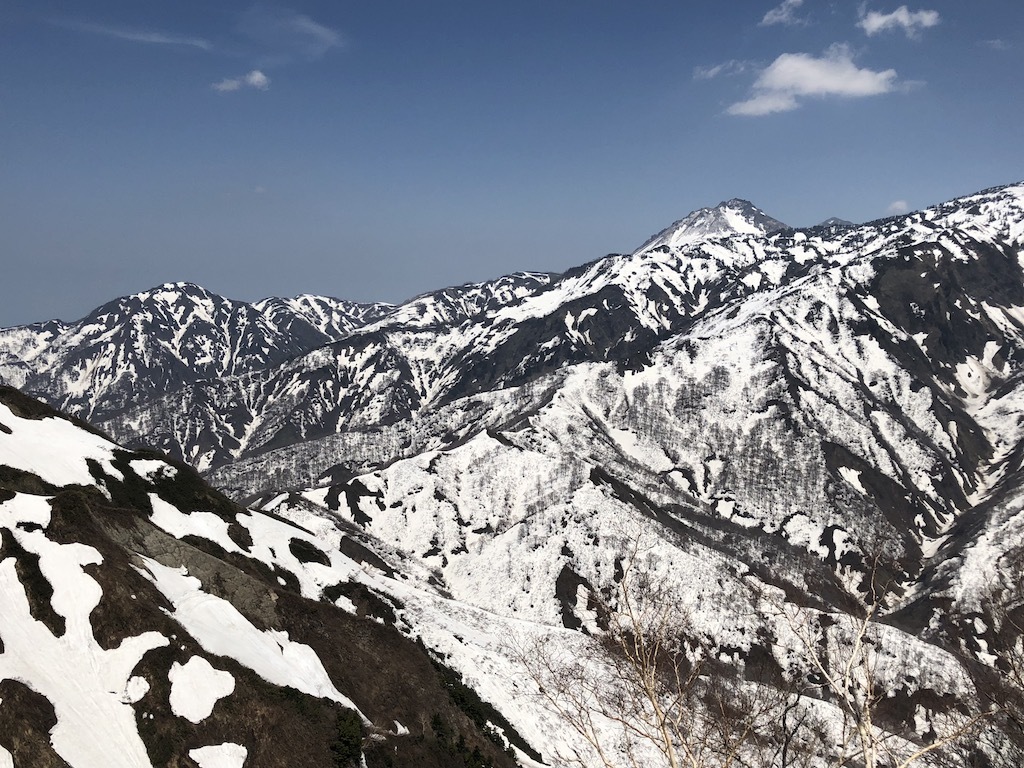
x,y
784,431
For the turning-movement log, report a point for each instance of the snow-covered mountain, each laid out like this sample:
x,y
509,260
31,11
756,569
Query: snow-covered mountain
x,y
159,340
835,221
785,431
728,218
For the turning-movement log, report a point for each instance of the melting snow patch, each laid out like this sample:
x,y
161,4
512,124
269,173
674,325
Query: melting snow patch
x,y
972,377
725,507
852,476
136,688
220,629
930,547
346,605
228,755
196,687
205,525
921,722
775,270
646,452
752,280
152,469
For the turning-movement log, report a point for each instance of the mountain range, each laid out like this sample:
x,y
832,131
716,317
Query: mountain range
x,y
792,437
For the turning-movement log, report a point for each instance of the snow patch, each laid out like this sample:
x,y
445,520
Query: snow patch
x,y
196,687
227,755
205,525
152,469
852,476
136,688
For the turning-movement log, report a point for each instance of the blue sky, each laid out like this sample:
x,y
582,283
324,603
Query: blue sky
x,y
373,151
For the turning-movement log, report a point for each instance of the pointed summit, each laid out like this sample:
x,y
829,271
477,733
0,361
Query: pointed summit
x,y
836,223
731,217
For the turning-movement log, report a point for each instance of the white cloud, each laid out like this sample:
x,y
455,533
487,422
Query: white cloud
x,y
254,79
731,67
792,76
996,45
257,79
911,22
898,206
283,33
134,35
783,14
766,103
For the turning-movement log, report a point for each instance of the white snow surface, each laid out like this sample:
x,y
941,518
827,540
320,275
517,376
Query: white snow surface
x,y
90,688
494,519
196,687
152,469
137,688
227,755
734,217
180,524
52,448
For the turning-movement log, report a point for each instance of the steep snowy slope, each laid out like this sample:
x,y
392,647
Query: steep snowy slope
x,y
847,433
21,346
149,621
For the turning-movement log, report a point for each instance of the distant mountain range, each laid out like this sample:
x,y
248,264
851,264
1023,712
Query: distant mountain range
x,y
787,431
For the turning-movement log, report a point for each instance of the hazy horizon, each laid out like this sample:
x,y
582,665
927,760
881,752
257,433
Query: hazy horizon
x,y
376,153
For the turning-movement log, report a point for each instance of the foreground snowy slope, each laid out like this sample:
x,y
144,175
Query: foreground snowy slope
x,y
148,621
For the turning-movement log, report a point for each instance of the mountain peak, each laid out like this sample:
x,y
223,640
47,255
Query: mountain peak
x,y
836,222
730,217
736,202
171,293
178,287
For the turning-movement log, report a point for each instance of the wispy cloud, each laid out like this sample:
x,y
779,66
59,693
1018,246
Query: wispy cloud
x,y
795,76
731,67
783,14
897,207
911,22
254,79
996,45
284,34
134,35
265,35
